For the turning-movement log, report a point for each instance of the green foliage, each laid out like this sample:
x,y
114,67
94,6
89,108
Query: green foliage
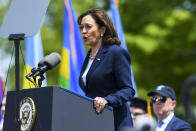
x,y
161,39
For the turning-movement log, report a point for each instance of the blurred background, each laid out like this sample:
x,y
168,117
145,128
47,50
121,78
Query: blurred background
x,y
160,36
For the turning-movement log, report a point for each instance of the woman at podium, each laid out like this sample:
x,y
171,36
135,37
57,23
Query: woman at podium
x,y
106,73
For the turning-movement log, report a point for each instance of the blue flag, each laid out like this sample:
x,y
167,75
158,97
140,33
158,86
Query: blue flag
x,y
1,98
73,52
115,16
33,54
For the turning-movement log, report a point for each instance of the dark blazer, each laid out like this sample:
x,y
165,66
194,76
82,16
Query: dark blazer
x,y
110,77
177,124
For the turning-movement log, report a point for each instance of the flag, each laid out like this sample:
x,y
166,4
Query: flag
x,y
115,16
34,53
1,95
73,52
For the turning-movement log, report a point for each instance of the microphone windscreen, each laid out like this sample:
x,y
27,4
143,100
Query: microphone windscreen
x,y
145,123
50,61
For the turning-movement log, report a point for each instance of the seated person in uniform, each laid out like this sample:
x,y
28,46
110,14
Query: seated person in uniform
x,y
139,113
164,103
137,108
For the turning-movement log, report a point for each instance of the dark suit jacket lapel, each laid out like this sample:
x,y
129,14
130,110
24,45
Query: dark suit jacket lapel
x,y
170,124
99,57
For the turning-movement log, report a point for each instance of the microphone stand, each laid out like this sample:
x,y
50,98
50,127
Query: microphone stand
x,y
34,73
40,80
16,38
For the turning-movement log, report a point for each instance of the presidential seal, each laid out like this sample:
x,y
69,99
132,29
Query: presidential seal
x,y
27,113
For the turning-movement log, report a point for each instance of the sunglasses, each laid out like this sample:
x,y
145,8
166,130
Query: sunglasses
x,y
156,99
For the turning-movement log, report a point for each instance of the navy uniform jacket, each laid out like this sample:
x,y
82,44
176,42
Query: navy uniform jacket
x,y
110,77
177,124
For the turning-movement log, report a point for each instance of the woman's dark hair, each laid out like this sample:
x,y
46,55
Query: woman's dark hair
x,y
102,19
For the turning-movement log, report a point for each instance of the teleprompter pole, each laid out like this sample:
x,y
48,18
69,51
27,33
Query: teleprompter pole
x,y
16,38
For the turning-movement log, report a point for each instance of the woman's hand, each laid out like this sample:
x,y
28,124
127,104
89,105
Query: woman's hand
x,y
99,104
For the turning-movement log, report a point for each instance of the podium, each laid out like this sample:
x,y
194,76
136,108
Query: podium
x,y
57,109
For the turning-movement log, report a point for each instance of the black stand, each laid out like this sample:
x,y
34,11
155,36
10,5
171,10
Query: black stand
x,y
40,80
16,38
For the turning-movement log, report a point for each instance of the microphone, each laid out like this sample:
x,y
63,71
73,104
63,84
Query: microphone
x,y
145,123
50,61
47,63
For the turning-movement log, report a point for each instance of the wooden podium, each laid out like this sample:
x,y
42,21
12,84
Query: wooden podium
x,y
56,109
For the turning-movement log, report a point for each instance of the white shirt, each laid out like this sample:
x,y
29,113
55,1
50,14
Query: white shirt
x,y
165,121
86,71
1,125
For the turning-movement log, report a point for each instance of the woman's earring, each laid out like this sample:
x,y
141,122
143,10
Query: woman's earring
x,y
101,35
